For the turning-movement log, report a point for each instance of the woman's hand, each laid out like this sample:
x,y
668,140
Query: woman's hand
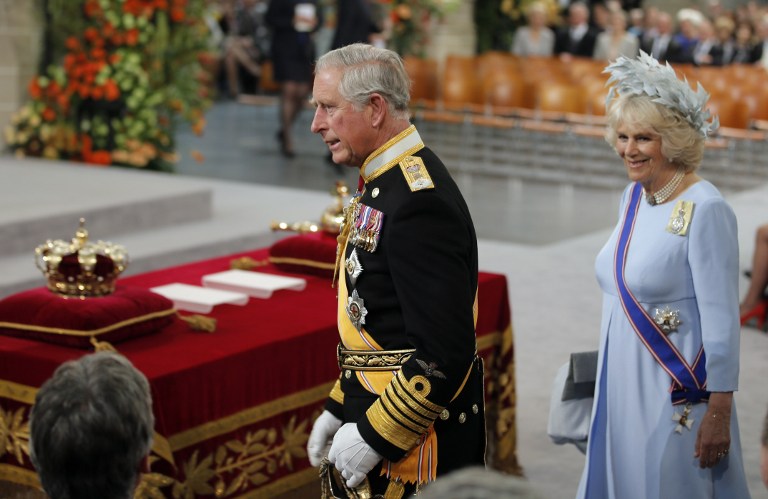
x,y
713,440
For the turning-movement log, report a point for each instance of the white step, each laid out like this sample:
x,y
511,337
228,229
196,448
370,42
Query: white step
x,y
240,218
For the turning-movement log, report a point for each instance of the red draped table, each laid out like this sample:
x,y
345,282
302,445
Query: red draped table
x,y
234,407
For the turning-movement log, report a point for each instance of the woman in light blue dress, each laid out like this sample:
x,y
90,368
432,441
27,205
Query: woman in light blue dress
x,y
663,423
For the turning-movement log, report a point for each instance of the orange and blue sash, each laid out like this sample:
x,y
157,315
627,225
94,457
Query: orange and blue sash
x,y
688,381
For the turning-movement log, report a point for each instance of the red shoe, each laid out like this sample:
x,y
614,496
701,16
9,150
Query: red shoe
x,y
759,313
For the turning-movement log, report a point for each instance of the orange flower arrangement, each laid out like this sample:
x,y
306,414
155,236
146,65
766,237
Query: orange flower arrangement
x,y
410,23
128,68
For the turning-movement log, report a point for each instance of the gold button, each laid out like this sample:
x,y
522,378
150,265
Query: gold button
x,y
445,414
475,409
462,417
348,374
375,192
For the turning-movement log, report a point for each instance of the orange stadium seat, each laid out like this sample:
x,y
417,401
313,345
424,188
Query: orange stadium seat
x,y
561,97
502,88
461,87
424,77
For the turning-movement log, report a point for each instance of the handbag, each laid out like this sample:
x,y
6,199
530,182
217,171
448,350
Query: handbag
x,y
570,404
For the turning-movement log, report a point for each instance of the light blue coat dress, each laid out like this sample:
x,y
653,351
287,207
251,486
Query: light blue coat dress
x,y
634,451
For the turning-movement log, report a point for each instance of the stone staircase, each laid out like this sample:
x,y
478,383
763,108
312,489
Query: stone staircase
x,y
162,219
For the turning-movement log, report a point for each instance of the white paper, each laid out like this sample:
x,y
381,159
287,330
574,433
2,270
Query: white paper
x,y
255,284
199,299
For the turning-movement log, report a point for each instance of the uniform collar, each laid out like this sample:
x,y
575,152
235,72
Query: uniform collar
x,y
385,157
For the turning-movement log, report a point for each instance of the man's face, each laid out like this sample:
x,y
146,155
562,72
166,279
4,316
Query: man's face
x,y
347,131
578,15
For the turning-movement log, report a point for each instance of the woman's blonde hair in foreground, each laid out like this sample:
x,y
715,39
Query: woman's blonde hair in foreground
x,y
680,142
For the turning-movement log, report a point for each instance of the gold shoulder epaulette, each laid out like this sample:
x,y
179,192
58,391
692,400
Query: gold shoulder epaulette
x,y
416,174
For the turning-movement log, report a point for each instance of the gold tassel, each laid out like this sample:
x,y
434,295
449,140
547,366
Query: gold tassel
x,y
325,480
199,322
416,462
246,263
102,346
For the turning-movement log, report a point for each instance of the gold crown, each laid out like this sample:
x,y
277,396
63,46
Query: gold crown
x,y
79,267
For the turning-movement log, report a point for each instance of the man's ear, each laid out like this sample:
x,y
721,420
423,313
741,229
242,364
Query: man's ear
x,y
379,109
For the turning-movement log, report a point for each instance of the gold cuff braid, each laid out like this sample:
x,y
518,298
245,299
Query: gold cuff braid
x,y
401,414
337,395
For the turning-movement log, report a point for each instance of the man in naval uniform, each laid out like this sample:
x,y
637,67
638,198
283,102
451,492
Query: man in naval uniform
x,y
408,405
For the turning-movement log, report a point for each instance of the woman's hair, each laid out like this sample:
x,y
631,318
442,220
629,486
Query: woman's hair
x,y
680,142
536,6
369,70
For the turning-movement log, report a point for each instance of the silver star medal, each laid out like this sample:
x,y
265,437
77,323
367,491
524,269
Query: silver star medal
x,y
683,420
356,310
667,319
678,222
353,266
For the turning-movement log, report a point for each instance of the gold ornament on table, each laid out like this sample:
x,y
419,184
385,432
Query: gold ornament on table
x,y
81,268
330,220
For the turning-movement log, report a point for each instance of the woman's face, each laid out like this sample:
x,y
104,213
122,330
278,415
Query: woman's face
x,y
743,35
640,148
537,18
618,22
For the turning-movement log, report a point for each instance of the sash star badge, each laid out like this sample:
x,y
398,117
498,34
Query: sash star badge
x,y
683,420
353,266
356,310
667,319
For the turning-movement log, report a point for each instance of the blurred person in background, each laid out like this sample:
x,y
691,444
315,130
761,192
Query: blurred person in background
x,y
658,39
293,23
577,37
247,45
723,49
743,44
355,23
535,38
616,41
707,40
754,306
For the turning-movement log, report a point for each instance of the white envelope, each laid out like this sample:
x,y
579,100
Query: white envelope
x,y
256,284
198,299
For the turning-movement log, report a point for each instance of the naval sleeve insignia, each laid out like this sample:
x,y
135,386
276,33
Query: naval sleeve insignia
x,y
416,174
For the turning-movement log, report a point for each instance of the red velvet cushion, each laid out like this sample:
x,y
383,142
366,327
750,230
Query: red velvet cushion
x,y
127,313
313,254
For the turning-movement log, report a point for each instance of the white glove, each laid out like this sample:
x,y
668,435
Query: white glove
x,y
351,455
326,425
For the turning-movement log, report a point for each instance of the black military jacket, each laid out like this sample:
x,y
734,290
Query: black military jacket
x,y
416,283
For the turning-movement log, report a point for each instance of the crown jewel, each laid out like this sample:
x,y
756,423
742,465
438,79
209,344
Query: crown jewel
x,y
80,267
645,76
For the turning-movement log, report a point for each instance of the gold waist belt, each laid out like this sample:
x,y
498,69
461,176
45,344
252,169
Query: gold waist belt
x,y
372,360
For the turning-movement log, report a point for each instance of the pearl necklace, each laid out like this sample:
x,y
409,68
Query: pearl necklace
x,y
663,194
